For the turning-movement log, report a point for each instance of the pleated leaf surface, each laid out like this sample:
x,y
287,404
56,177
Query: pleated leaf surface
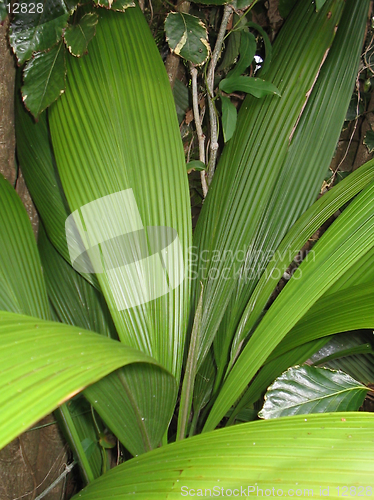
x,y
22,288
345,242
115,129
320,452
46,363
234,213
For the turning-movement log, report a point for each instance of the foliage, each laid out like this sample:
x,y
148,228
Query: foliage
x,y
305,389
211,336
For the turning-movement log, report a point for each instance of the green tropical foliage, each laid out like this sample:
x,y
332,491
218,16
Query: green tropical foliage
x,y
152,368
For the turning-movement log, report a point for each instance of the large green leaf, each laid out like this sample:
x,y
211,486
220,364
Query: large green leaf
x,y
293,456
332,314
229,224
37,162
25,292
115,132
45,363
77,303
298,235
362,272
136,404
306,389
348,239
22,288
310,147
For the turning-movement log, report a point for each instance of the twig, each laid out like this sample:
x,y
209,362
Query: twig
x,y
68,468
210,94
199,130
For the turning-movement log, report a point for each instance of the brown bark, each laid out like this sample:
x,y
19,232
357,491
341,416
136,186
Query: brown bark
x,y
30,463
7,138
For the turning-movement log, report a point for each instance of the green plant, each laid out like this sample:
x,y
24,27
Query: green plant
x,y
114,129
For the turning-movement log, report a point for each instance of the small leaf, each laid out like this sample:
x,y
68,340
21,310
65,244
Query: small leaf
x,y
355,108
232,50
255,86
120,5
181,99
107,440
242,4
195,165
267,43
78,37
320,4
44,79
247,52
369,140
229,117
305,389
39,28
187,37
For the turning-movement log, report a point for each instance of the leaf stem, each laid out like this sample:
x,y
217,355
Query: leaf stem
x,y
190,373
210,92
199,130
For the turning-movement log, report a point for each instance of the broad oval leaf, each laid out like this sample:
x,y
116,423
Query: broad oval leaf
x,y
244,461
232,47
78,36
306,389
40,27
136,403
44,79
187,37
